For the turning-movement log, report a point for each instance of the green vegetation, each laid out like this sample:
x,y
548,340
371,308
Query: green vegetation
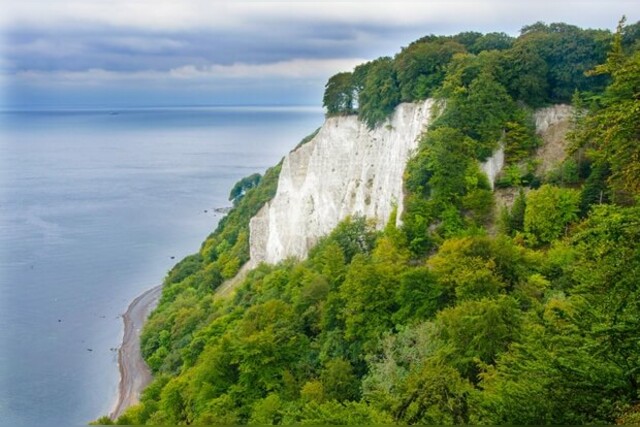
x,y
338,95
545,64
241,187
612,130
438,321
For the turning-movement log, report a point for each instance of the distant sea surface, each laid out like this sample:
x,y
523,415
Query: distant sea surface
x,y
94,206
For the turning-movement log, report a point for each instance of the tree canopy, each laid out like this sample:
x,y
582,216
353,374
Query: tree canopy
x,y
459,315
546,64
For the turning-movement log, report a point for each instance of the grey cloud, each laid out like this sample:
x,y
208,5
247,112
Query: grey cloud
x,y
131,50
198,38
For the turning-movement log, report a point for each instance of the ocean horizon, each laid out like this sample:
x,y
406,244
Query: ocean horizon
x,y
96,205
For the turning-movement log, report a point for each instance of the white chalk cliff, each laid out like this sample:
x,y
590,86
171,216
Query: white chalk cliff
x,y
349,169
548,117
493,165
552,124
346,169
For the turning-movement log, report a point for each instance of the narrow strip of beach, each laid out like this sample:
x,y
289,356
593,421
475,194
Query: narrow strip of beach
x,y
134,372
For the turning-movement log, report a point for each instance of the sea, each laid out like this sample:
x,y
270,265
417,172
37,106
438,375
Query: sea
x,y
96,205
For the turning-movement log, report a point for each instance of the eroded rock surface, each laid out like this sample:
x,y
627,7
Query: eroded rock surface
x,y
346,169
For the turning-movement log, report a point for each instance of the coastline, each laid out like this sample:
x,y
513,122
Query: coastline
x,y
135,375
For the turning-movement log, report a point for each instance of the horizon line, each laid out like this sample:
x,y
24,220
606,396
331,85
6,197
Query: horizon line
x,y
119,108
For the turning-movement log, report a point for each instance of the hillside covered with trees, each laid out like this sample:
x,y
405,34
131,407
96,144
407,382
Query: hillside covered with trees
x,y
465,314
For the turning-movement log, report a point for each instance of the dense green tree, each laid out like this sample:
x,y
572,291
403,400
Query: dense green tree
x,y
614,129
436,395
419,296
466,38
491,41
573,53
338,95
548,212
595,190
380,92
267,411
420,68
606,290
242,186
476,332
481,112
526,72
339,381
444,319
552,377
513,221
368,293
519,138
449,155
354,235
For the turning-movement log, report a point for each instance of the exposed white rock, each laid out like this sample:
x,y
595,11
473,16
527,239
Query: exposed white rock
x,y
345,169
552,125
547,117
493,165
348,169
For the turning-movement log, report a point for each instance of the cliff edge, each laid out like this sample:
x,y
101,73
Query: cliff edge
x,y
346,169
349,169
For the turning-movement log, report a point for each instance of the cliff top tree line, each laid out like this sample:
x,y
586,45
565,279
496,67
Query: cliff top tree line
x,y
459,316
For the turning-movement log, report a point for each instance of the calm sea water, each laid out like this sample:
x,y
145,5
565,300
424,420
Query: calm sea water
x,y
93,205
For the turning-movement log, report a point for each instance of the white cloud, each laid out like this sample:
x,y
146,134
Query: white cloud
x,y
292,69
295,68
145,44
155,44
180,15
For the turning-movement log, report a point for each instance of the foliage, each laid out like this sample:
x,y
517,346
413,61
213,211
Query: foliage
x,y
442,320
519,138
566,173
421,67
379,94
613,129
241,187
549,210
458,193
546,63
595,189
491,41
480,111
513,218
186,297
338,95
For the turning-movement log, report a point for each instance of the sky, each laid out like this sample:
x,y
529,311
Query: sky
x,y
127,53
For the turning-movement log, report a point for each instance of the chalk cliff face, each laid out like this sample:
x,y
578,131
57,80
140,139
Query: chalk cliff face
x,y
345,169
548,117
493,165
552,125
348,169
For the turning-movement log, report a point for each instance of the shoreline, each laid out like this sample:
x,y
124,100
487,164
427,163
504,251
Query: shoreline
x,y
135,375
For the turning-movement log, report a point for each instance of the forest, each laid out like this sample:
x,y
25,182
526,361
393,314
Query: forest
x,y
464,314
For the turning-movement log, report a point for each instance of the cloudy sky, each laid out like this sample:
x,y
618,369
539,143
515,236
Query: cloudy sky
x,y
74,53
